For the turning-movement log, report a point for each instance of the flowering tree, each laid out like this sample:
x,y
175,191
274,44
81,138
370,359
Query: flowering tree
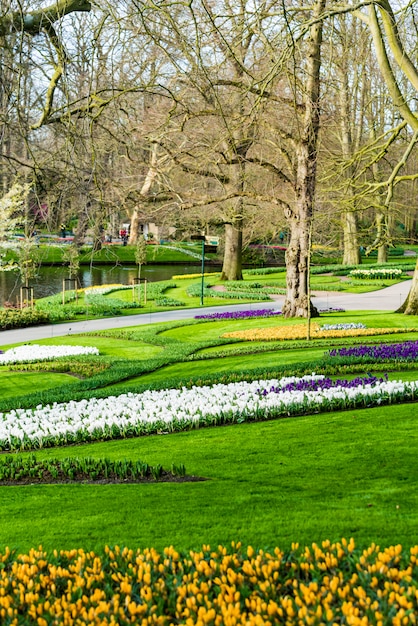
x,y
12,209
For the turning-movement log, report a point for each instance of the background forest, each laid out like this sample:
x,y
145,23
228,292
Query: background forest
x,y
258,120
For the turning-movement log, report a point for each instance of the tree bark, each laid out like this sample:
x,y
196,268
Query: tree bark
x,y
34,22
410,306
232,262
351,254
382,249
351,251
297,302
145,189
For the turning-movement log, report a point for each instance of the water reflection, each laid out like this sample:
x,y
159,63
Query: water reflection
x,y
50,279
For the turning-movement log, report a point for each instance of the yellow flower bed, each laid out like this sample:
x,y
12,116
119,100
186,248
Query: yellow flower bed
x,y
328,584
181,276
298,331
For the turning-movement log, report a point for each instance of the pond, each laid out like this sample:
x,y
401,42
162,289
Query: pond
x,y
50,279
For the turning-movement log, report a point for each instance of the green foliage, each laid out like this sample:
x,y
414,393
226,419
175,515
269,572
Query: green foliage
x,y
156,290
103,305
237,294
140,253
28,259
83,367
71,256
260,289
263,271
168,302
19,318
94,304
28,468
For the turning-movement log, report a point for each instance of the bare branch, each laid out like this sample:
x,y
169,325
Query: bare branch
x,y
34,22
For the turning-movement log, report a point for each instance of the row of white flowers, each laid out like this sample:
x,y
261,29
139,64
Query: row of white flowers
x,y
101,290
174,409
343,326
381,272
34,352
194,255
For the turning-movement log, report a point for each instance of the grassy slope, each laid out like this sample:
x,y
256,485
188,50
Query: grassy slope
x,y
187,338
19,383
305,479
302,479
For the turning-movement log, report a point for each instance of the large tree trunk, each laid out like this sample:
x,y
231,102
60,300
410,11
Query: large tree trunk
x,y
134,226
232,262
297,302
410,306
234,223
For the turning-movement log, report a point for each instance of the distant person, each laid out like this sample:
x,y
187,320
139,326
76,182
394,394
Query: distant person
x,y
63,231
124,236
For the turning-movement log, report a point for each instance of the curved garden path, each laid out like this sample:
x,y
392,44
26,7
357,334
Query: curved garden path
x,y
388,299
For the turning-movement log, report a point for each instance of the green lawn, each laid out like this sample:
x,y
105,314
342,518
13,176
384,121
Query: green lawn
x,y
14,384
188,349
305,479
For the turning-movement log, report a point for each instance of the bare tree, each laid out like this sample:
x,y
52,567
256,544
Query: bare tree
x,y
385,28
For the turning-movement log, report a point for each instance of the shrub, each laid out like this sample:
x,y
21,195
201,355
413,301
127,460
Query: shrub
x,y
15,318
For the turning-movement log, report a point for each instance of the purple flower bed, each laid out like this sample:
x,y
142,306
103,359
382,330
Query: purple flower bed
x,y
319,384
239,315
408,350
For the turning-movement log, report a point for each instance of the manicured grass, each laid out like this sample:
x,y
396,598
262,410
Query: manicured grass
x,y
108,346
14,384
268,360
175,341
53,254
301,479
347,474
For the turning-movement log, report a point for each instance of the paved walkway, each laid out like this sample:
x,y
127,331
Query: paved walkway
x,y
388,299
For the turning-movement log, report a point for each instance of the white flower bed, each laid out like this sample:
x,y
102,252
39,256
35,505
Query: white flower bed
x,y
194,255
343,326
33,352
175,409
381,272
101,290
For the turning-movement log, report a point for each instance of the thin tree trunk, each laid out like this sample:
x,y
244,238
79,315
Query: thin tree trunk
x,y
382,249
145,189
351,251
